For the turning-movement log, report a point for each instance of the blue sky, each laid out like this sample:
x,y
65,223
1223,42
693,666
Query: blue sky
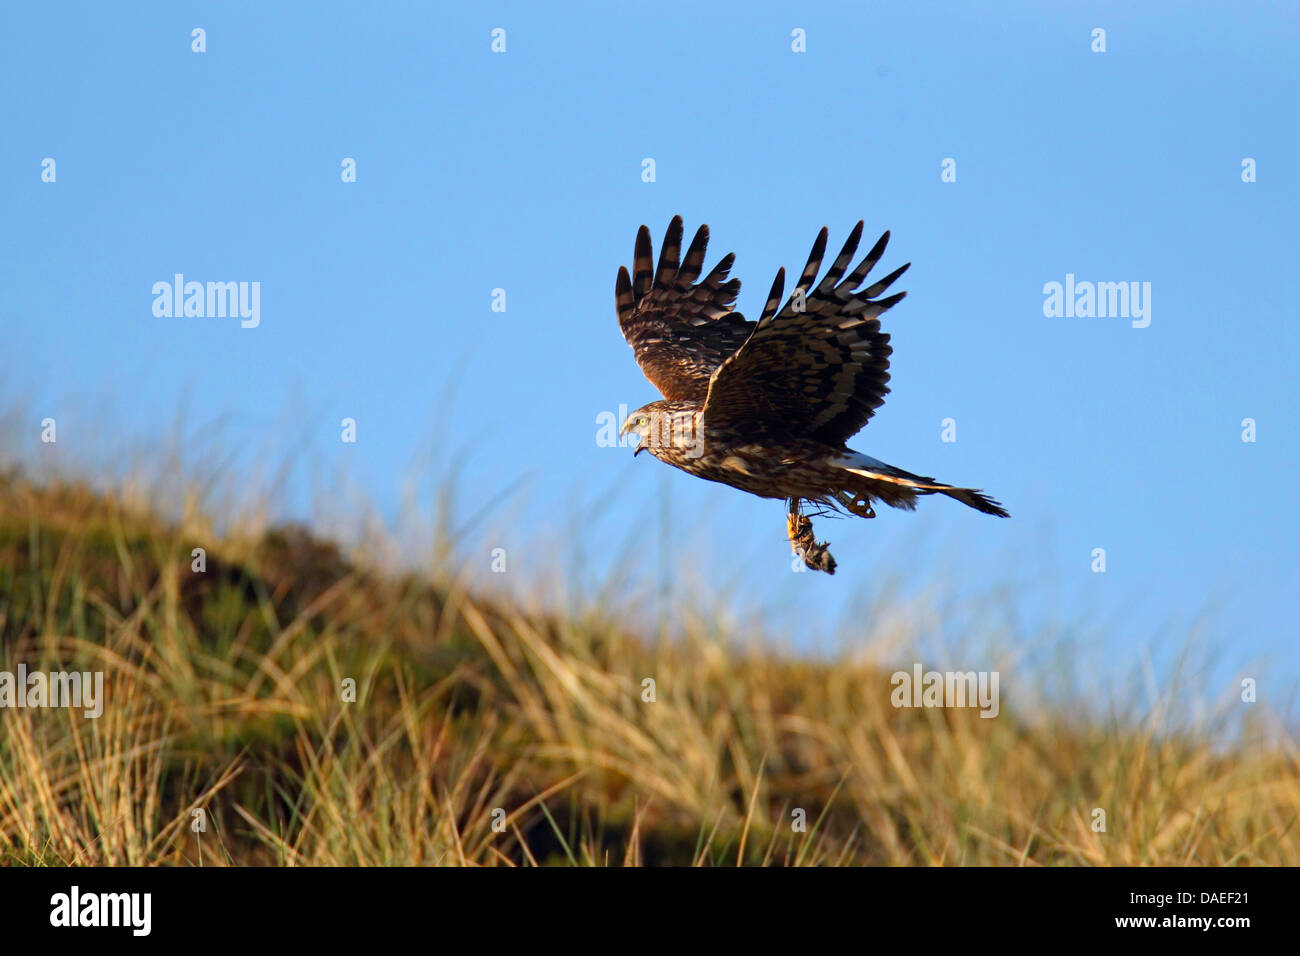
x,y
522,170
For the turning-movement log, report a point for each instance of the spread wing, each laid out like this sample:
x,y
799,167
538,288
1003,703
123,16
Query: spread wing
x,y
680,330
819,368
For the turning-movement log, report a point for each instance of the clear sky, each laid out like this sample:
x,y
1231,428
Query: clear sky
x,y
523,171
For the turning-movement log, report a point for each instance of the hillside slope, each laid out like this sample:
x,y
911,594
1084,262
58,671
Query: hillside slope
x,y
483,734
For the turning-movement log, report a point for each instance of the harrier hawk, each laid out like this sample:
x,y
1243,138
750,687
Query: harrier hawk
x,y
767,406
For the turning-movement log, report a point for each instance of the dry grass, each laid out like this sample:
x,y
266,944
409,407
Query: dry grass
x,y
483,734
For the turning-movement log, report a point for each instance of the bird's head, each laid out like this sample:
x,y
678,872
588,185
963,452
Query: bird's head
x,y
663,425
642,424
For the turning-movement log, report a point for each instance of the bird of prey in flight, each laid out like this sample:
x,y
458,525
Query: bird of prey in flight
x,y
768,406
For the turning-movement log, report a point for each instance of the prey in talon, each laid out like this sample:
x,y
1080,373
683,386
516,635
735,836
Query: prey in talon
x,y
816,554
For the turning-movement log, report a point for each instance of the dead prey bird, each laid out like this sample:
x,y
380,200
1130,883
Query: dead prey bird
x,y
768,406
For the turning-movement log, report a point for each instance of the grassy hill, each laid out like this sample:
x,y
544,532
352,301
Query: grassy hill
x,y
485,734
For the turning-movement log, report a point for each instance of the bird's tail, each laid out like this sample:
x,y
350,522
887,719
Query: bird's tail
x,y
899,488
974,498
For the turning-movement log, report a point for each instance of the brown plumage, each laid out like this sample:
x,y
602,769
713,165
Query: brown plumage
x,y
768,406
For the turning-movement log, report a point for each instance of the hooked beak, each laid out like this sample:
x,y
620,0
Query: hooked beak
x,y
627,427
